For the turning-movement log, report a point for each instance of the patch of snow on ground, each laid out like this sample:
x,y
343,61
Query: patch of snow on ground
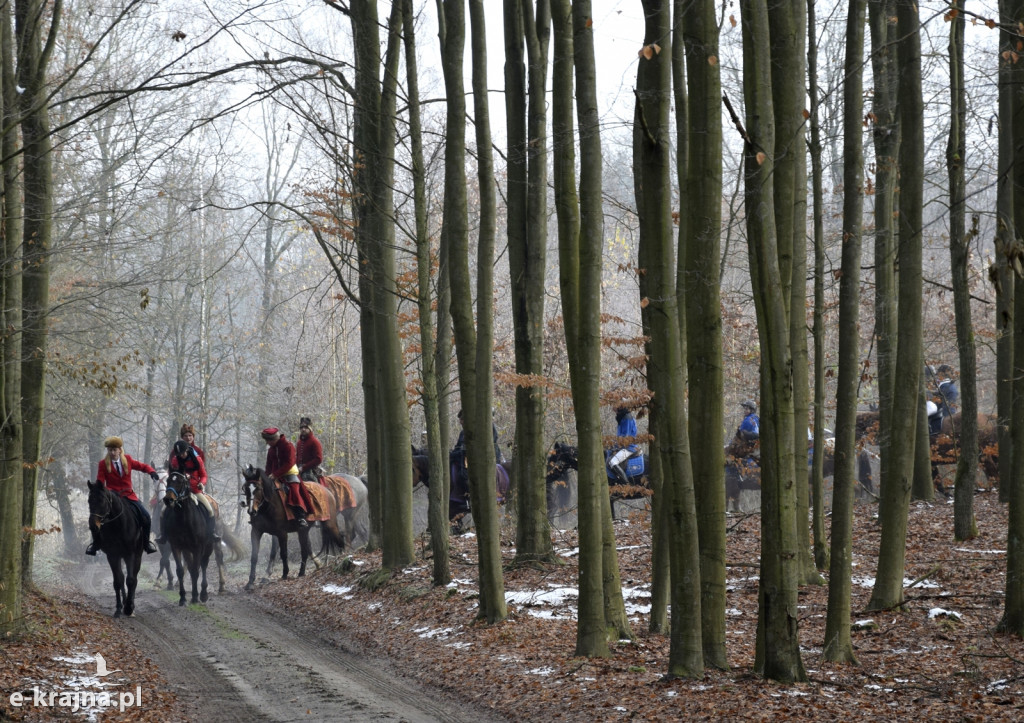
x,y
940,612
434,633
980,552
541,671
869,583
338,590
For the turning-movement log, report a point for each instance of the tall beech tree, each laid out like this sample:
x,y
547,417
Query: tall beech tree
x,y
375,236
695,35
527,255
36,24
893,508
886,140
1011,122
11,471
778,649
838,645
438,505
652,165
964,524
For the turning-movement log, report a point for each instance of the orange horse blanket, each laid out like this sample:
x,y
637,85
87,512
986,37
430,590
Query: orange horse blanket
x,y
320,507
342,491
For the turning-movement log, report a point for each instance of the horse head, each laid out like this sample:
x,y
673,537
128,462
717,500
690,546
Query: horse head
x,y
178,489
257,487
101,503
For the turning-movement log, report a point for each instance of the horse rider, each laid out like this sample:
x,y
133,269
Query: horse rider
x,y
309,453
460,444
943,402
115,472
626,432
188,434
744,443
184,460
281,466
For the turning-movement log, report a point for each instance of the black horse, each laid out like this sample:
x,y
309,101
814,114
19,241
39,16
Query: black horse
x,y
119,533
267,514
744,473
191,538
458,496
564,457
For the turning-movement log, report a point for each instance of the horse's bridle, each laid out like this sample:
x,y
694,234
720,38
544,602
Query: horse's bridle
x,y
172,489
102,518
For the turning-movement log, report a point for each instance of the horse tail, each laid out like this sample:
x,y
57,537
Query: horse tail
x,y
333,540
233,543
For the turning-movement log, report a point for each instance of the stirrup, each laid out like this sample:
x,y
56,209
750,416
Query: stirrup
x,y
91,549
302,522
149,547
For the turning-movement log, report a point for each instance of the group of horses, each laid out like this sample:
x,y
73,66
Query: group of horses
x,y
190,541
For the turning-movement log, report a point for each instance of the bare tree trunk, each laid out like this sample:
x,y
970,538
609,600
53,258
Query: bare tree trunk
x,y
36,29
700,255
886,135
666,371
527,250
778,651
11,472
437,511
964,525
838,644
892,512
821,556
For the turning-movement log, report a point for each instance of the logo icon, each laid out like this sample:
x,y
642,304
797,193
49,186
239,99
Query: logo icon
x,y
101,667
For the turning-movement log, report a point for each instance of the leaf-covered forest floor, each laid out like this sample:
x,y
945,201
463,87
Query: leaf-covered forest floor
x,y
939,665
939,658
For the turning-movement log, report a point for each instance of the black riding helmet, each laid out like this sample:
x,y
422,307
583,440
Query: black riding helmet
x,y
181,448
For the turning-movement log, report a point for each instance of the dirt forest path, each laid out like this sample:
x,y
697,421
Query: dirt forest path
x,y
239,660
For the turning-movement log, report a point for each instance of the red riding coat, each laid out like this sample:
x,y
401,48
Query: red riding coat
x,y
192,466
309,453
121,482
280,458
280,461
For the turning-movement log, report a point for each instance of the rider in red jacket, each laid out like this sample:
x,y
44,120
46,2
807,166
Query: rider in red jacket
x,y
309,453
185,461
115,472
281,466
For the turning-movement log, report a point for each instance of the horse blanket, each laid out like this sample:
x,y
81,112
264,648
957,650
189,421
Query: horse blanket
x,y
320,507
342,491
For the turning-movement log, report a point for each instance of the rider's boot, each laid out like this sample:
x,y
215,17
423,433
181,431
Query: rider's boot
x,y
620,474
148,545
211,525
94,546
300,516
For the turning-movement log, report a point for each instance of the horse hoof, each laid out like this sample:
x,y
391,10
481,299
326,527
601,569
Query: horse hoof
x,y
181,603
249,587
204,597
117,613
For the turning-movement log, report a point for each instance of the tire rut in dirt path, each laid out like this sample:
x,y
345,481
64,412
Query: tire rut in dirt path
x,y
241,661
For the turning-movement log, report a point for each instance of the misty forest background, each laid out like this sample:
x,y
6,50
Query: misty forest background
x,y
236,215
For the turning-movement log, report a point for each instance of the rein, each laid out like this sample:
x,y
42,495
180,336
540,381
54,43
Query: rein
x,y
104,518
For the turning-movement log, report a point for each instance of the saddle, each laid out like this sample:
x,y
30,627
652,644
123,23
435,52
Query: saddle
x,y
634,465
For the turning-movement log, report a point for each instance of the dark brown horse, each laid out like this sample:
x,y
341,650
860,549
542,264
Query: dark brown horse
x,y
564,456
946,446
458,497
267,514
191,539
119,534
